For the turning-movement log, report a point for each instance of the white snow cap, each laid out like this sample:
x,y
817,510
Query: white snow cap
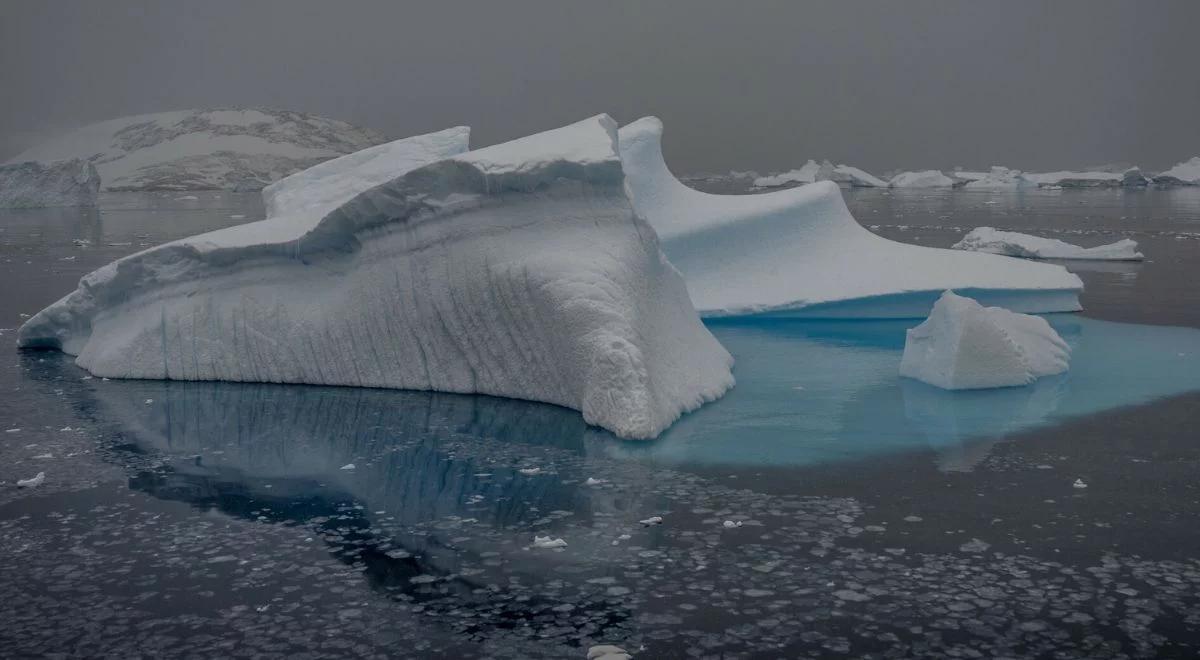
x,y
520,270
799,252
964,345
31,184
1016,244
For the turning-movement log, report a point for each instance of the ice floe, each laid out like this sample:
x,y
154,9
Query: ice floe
x,y
964,345
519,270
32,482
799,252
1016,244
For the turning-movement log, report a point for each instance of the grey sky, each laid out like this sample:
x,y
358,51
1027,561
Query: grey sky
x,y
761,85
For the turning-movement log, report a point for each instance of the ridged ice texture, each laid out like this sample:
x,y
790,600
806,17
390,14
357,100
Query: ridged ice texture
x,y
520,270
964,345
1016,244
799,252
61,183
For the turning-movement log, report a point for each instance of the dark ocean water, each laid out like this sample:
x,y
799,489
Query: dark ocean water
x,y
866,517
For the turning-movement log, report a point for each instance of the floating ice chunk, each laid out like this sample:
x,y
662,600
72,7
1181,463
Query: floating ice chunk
x,y
1015,244
529,472
608,652
652,520
348,466
44,456
964,345
799,252
975,545
1000,178
806,174
519,270
1186,173
922,179
33,482
548,542
592,481
1079,484
60,183
853,176
731,524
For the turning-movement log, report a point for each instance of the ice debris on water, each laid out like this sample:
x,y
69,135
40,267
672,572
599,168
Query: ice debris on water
x,y
32,483
730,524
608,652
652,520
348,466
548,542
529,472
1079,484
592,481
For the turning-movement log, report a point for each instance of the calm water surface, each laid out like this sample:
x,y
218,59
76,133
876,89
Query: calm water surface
x,y
866,516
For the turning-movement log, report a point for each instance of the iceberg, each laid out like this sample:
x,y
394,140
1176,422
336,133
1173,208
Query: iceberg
x,y
62,183
998,178
1129,178
799,252
1016,244
218,149
964,345
853,176
806,174
520,270
1186,173
922,179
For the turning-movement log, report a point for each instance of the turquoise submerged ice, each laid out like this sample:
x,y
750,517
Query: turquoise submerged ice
x,y
808,392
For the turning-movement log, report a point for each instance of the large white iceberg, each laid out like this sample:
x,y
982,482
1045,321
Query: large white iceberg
x,y
852,176
519,270
1016,244
998,178
806,174
1186,173
229,148
62,183
964,345
921,179
799,252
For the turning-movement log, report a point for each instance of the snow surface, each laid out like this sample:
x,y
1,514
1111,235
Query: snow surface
x,y
799,252
964,345
231,149
922,179
999,178
61,183
1016,244
1067,179
1186,173
519,270
806,174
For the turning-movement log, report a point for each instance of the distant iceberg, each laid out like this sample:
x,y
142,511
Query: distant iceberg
x,y
1015,244
998,178
922,179
964,345
218,149
61,183
1129,178
1186,173
520,270
799,252
806,174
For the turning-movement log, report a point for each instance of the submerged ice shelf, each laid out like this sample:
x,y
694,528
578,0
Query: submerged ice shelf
x,y
518,270
799,252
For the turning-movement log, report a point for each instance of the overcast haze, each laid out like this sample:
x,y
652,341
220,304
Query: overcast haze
x,y
761,85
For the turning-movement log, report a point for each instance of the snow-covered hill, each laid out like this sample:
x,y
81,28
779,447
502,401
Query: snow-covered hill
x,y
223,149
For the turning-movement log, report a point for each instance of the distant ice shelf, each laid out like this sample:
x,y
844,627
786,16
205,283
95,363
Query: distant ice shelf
x,y
964,345
799,252
519,270
1016,244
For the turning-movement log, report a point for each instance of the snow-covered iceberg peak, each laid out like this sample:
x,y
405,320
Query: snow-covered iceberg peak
x,y
964,345
519,270
61,183
1016,244
799,252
